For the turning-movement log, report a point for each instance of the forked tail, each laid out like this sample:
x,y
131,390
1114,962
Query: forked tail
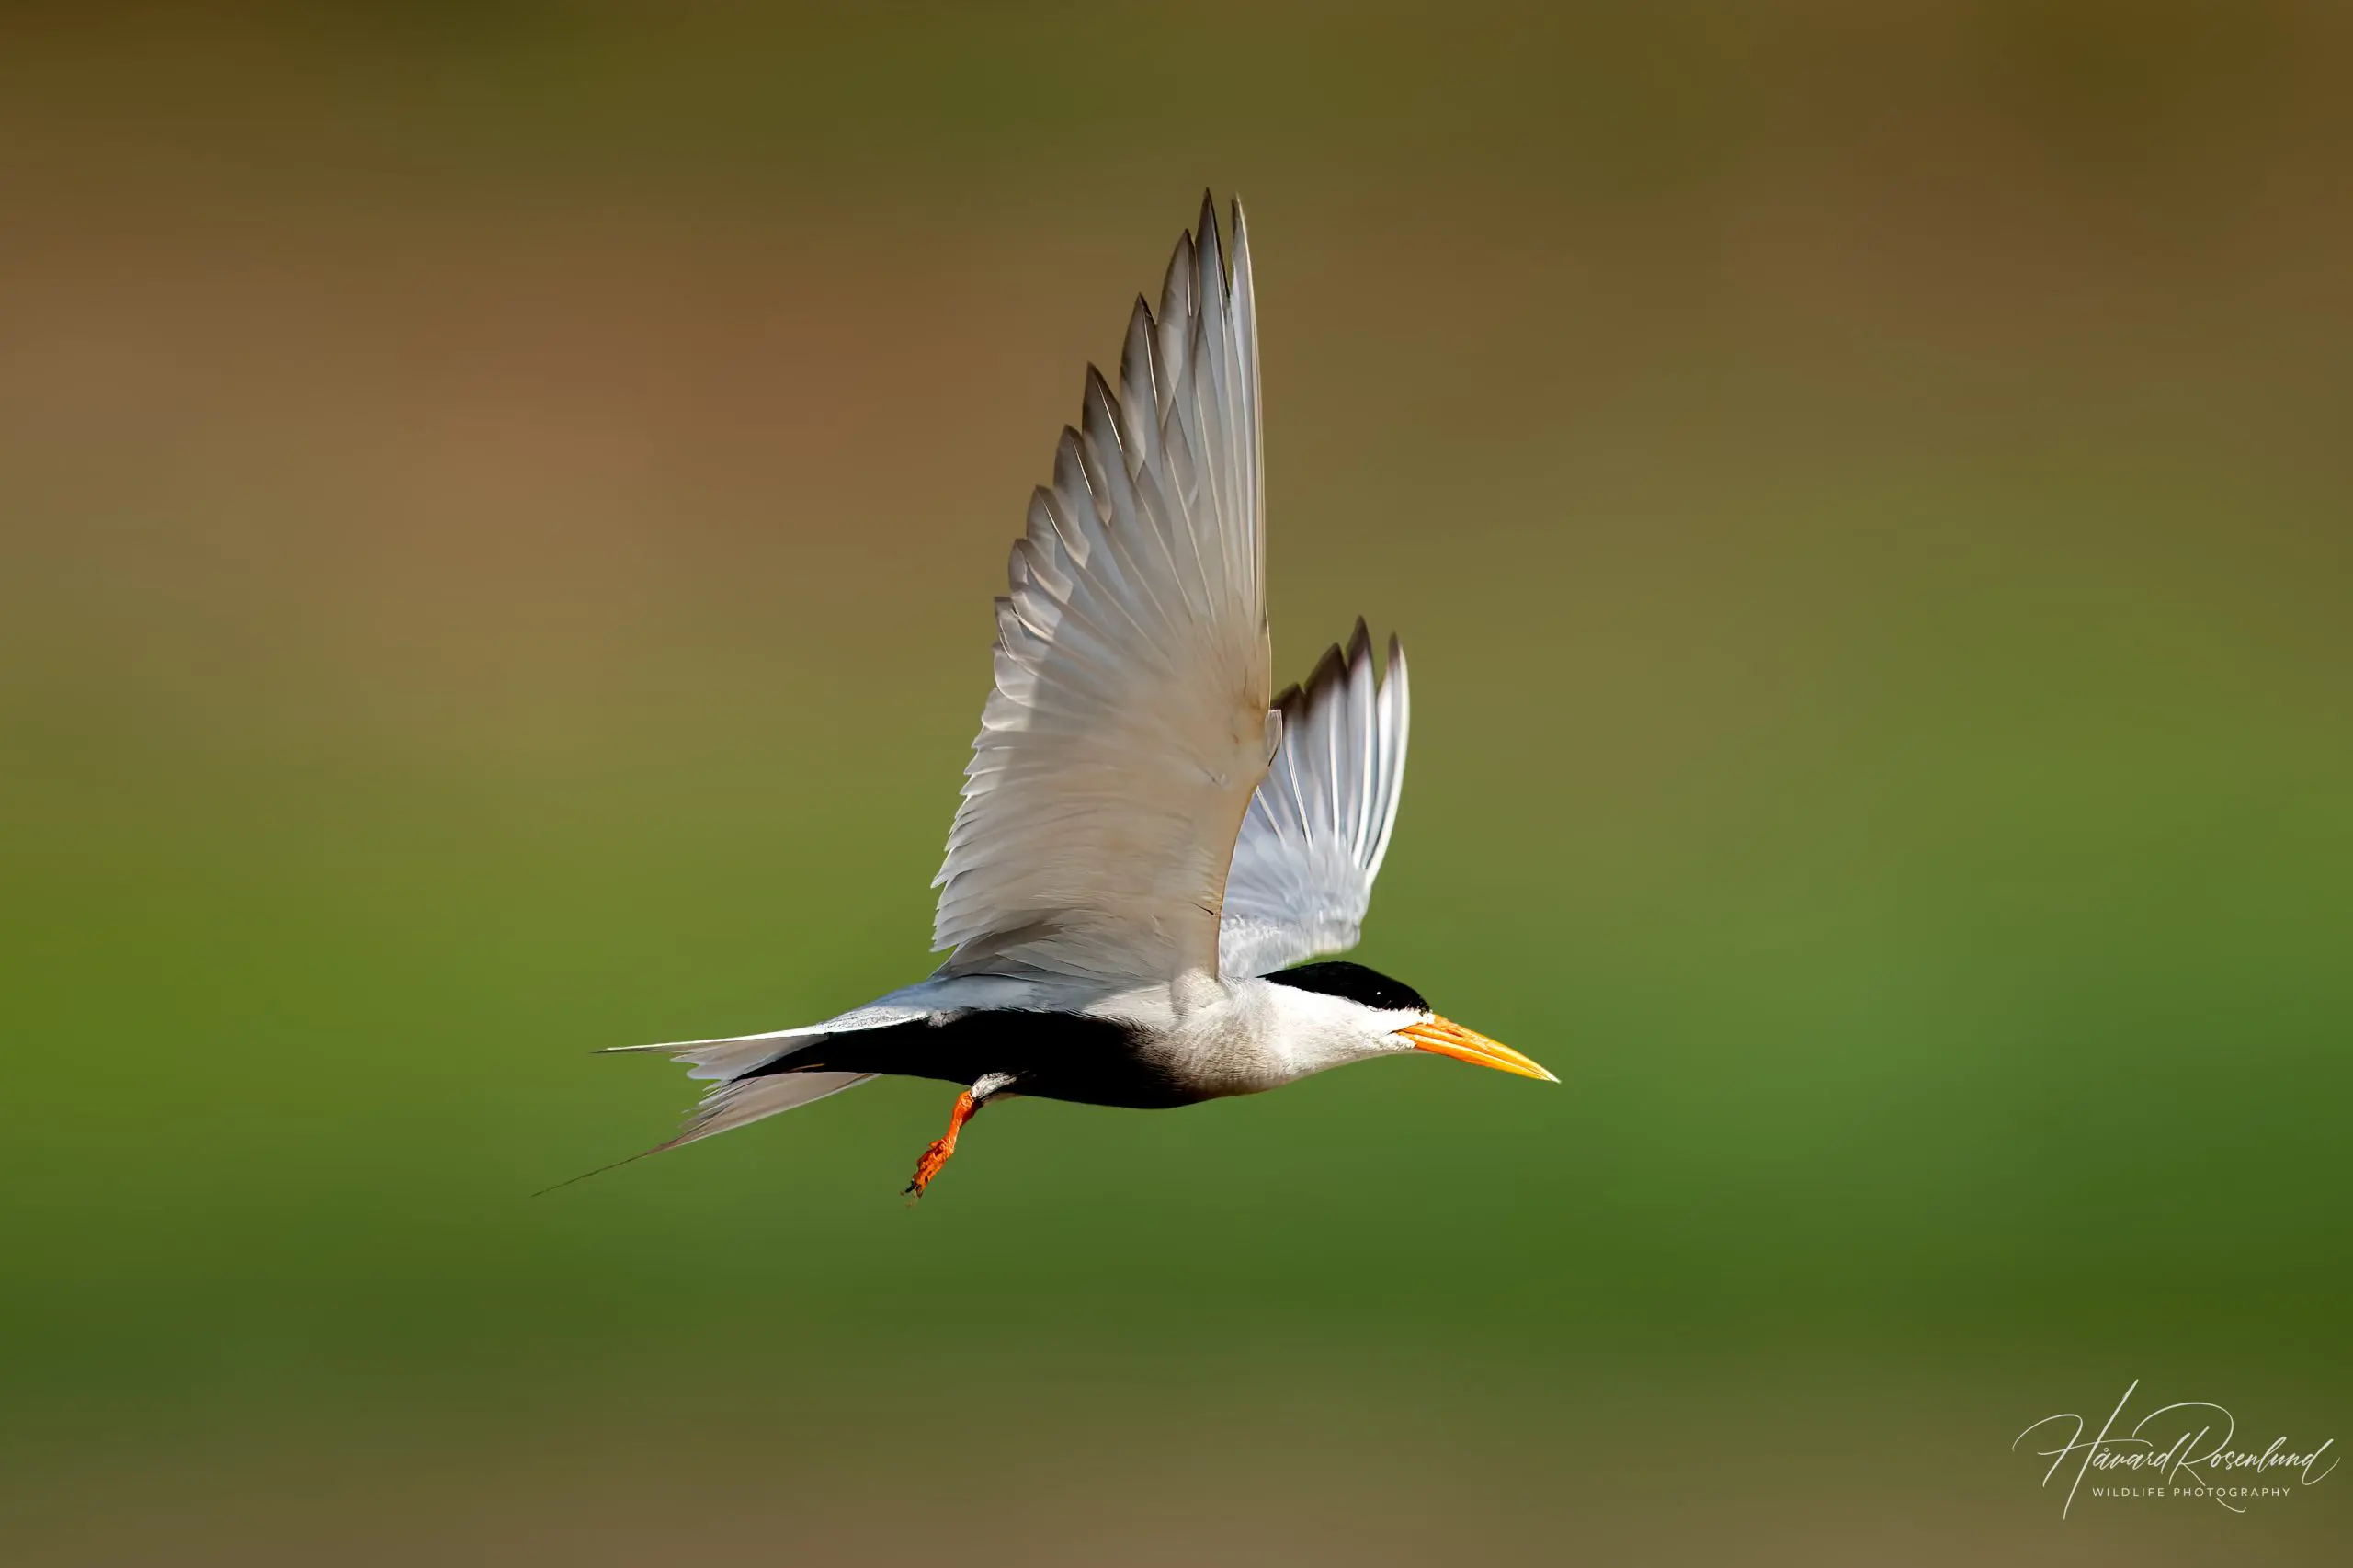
x,y
735,1098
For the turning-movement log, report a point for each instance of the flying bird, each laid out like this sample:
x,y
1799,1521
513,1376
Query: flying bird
x,y
1151,841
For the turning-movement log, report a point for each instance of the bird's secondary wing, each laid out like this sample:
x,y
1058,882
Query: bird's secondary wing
x,y
1319,825
1130,718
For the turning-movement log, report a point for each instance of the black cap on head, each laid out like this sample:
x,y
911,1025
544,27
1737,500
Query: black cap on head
x,y
1352,981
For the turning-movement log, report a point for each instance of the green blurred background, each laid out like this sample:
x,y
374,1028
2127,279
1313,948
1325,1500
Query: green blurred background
x,y
498,507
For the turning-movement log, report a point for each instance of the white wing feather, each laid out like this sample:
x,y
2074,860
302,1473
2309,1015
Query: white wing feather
x,y
1319,826
1130,722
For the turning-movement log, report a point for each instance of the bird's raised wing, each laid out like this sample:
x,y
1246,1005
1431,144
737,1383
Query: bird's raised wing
x,y
1130,720
1319,825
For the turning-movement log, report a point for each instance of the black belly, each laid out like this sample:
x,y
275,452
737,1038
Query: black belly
x,y
1055,1056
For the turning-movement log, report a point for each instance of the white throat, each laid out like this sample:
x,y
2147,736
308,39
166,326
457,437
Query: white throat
x,y
1311,1030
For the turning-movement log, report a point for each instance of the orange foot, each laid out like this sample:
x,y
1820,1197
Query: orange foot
x,y
936,1155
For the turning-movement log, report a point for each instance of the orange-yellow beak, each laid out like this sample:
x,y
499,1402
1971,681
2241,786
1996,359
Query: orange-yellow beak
x,y
1446,1038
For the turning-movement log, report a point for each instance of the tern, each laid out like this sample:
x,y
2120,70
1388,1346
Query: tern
x,y
1151,842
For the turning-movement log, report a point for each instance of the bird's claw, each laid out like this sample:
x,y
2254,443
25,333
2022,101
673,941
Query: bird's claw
x,y
936,1155
929,1166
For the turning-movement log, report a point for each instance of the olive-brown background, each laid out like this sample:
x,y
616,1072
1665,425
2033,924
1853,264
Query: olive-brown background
x,y
497,511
